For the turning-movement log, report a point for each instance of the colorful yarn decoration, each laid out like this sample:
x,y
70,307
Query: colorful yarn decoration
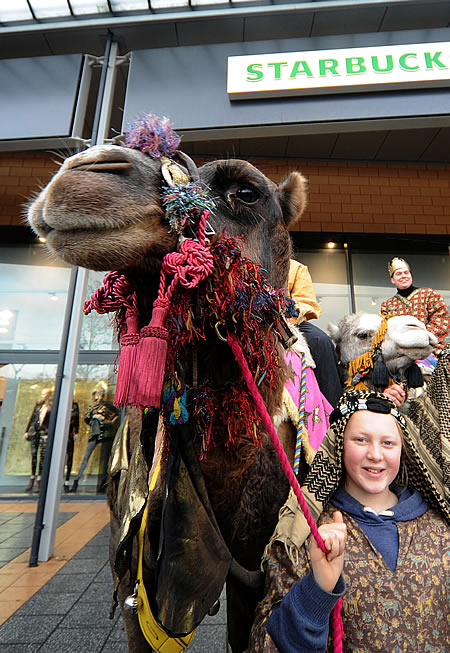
x,y
236,297
174,399
205,404
153,136
301,411
183,203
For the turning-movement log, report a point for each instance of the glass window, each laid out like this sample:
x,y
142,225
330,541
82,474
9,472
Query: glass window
x,y
33,294
97,331
98,421
22,389
23,421
328,270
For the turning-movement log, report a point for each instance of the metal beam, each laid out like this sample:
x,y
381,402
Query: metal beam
x,y
46,519
133,20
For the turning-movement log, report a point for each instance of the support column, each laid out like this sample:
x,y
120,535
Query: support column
x,y
52,476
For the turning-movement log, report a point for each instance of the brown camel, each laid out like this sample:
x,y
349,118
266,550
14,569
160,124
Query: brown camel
x,y
103,211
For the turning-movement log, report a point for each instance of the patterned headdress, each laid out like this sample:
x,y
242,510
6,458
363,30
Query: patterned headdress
x,y
396,264
420,469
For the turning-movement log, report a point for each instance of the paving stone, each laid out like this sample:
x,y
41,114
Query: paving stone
x,y
101,592
69,640
19,648
118,633
49,603
28,629
88,615
15,541
95,552
116,647
104,575
8,554
90,567
209,638
67,583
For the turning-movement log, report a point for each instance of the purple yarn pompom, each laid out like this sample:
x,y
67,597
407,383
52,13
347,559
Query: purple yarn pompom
x,y
153,136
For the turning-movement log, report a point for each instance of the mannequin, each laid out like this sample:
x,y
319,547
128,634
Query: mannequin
x,y
103,419
36,434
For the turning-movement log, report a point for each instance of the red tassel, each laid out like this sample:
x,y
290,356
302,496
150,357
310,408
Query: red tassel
x,y
126,375
152,356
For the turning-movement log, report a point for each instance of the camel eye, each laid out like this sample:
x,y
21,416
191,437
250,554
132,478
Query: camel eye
x,y
247,194
363,335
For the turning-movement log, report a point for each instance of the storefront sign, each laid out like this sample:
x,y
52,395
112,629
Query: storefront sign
x,y
338,71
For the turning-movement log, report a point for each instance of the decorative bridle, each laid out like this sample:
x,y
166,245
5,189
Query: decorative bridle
x,y
358,368
144,352
372,361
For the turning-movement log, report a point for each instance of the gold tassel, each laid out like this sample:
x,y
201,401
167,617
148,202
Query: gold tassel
x,y
365,361
379,336
360,363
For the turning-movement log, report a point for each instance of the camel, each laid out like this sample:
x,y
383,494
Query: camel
x,y
392,346
103,210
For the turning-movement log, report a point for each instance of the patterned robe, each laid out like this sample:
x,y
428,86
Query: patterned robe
x,y
389,612
426,305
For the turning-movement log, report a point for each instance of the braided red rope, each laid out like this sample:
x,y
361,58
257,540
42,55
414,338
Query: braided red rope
x,y
287,468
192,263
115,293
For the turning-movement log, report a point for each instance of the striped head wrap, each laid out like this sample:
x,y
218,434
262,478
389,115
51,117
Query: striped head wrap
x,y
418,471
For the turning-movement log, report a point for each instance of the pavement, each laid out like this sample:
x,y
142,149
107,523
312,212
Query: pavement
x,y
62,606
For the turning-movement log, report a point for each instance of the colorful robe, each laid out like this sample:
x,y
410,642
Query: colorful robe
x,y
426,305
390,612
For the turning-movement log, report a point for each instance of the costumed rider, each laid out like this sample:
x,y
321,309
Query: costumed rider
x,y
377,493
103,419
426,304
301,291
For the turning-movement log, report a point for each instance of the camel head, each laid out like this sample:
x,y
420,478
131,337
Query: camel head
x,y
103,210
405,341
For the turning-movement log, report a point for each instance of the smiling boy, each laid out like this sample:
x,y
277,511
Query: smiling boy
x,y
384,522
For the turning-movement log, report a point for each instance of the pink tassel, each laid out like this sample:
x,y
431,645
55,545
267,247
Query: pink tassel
x,y
152,356
126,375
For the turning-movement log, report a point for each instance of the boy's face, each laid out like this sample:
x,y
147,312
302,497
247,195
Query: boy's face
x,y
372,451
402,278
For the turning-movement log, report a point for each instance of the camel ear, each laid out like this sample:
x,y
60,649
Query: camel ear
x,y
334,332
292,194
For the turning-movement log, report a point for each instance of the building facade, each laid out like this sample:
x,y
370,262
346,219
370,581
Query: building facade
x,y
355,97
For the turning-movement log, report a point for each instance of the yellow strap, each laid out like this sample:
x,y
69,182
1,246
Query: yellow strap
x,y
156,636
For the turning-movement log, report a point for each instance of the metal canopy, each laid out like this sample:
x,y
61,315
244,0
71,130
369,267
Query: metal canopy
x,y
34,28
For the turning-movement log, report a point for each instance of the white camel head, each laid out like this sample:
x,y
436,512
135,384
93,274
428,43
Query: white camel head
x,y
405,341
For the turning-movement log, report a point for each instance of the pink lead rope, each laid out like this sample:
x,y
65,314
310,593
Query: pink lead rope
x,y
287,468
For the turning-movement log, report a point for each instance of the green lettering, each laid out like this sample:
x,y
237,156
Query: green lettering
x,y
300,68
389,64
404,65
355,65
433,60
252,69
277,68
328,66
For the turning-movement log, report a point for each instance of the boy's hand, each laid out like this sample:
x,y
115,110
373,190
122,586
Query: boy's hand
x,y
327,567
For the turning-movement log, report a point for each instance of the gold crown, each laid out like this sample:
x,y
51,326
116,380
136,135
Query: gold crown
x,y
396,264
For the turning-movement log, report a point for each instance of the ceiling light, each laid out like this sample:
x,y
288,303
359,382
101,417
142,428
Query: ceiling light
x,y
331,245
